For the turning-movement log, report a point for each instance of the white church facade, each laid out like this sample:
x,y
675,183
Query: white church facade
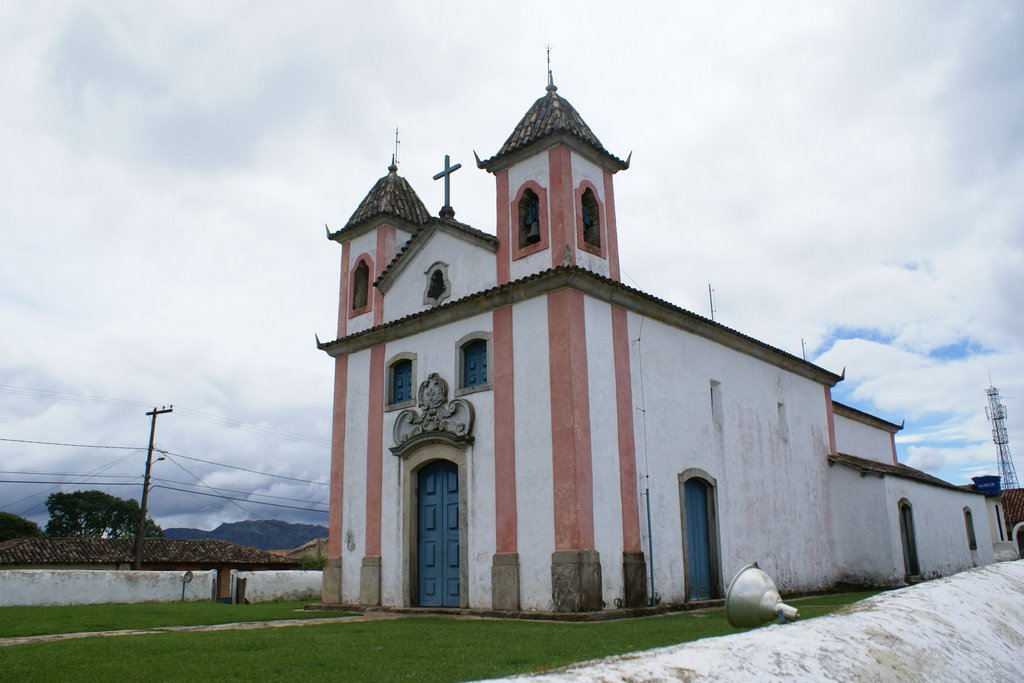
x,y
515,429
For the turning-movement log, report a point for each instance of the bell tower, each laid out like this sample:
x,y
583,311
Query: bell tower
x,y
555,194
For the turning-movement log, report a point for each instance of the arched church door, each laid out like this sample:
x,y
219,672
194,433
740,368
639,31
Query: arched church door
x,y
910,565
698,540
438,534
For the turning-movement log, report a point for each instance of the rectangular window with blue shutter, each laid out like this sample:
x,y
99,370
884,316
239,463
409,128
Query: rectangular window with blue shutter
x,y
401,381
474,363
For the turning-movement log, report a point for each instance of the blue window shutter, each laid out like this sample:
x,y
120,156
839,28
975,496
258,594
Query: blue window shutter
x,y
401,381
474,363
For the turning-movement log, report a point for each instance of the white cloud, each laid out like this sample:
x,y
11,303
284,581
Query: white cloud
x,y
840,170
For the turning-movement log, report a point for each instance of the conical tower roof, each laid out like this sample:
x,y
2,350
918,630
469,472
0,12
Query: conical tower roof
x,y
392,195
552,115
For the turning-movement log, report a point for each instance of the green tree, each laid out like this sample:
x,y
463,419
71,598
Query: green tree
x,y
95,514
13,526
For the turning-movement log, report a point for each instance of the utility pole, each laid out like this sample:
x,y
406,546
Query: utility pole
x,y
137,562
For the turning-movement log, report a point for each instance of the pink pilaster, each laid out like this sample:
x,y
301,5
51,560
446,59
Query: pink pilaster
x,y
374,450
337,481
504,432
624,417
572,467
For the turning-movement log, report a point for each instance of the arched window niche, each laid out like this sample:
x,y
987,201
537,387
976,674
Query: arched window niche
x,y
529,218
591,220
438,287
401,381
474,363
361,286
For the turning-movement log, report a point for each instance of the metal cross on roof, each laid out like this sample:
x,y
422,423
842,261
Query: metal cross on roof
x,y
446,174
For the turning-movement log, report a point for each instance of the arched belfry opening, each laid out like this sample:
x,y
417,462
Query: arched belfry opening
x,y
360,286
529,218
591,213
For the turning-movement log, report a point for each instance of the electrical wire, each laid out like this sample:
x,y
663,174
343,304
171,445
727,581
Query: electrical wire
x,y
248,493
254,502
71,445
205,485
243,469
68,483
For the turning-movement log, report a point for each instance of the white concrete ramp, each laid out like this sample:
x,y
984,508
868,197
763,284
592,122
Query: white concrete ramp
x,y
967,627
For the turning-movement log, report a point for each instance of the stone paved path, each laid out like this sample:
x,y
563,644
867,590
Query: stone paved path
x,y
236,626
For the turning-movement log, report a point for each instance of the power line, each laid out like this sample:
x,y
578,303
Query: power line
x,y
243,469
92,473
249,493
66,474
71,445
205,485
229,498
68,483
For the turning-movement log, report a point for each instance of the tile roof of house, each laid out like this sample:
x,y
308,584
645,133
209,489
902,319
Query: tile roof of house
x,y
58,551
392,195
1013,506
550,115
863,465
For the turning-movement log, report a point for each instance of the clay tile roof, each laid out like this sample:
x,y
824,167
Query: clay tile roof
x,y
550,115
1013,505
864,465
392,195
58,551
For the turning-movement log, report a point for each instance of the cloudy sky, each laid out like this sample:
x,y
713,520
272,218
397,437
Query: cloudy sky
x,y
846,174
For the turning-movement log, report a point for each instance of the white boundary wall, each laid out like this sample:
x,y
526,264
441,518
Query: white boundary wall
x,y
274,586
99,586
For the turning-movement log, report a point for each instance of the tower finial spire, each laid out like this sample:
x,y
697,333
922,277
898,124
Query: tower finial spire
x,y
394,157
551,87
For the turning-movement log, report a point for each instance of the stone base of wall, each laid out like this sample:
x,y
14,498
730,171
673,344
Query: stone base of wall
x,y
505,582
331,591
369,581
634,579
576,581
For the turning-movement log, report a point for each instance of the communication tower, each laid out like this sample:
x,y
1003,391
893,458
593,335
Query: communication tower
x,y
996,413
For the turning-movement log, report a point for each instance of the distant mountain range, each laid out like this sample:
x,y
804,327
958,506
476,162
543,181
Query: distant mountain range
x,y
270,534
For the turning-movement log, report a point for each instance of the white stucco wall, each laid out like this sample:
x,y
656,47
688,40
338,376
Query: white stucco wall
x,y
100,586
273,586
862,440
437,350
353,537
938,527
772,499
471,269
534,488
604,446
861,529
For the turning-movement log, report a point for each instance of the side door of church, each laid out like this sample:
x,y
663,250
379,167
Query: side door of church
x,y
438,535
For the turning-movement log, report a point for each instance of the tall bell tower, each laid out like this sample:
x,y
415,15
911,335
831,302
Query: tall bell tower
x,y
555,194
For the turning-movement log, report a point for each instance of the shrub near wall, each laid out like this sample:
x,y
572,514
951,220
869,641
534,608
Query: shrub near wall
x,y
99,586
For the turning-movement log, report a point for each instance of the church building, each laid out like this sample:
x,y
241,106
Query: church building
x,y
516,429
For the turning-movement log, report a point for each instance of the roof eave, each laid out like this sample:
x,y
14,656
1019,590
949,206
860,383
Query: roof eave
x,y
601,157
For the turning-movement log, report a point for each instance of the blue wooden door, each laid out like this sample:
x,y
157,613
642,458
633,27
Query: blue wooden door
x,y
438,535
698,540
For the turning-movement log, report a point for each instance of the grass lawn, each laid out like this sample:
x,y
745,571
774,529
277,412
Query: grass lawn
x,y
422,648
34,621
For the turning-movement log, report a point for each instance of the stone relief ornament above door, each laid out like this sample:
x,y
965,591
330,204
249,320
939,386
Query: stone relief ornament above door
x,y
438,420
